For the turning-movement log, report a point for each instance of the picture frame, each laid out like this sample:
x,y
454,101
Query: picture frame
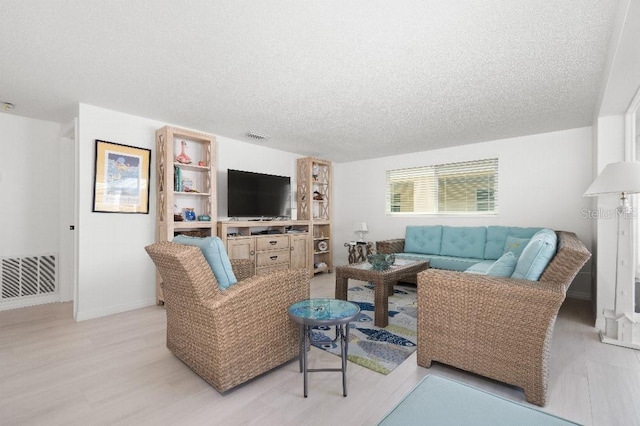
x,y
121,178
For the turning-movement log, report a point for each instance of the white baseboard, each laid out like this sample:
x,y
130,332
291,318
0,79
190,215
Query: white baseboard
x,y
24,301
110,310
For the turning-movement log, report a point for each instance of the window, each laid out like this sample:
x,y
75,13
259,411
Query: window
x,y
468,187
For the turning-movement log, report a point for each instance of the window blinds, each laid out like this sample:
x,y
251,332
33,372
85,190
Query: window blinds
x,y
466,187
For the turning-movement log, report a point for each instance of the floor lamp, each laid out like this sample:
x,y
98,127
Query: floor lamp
x,y
622,324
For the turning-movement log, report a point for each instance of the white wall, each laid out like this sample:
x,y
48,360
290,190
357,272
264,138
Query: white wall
x,y
29,186
115,274
541,182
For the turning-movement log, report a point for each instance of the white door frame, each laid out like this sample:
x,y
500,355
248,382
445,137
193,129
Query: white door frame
x,y
69,216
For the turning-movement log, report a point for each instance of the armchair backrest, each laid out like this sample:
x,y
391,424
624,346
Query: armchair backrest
x,y
569,259
185,273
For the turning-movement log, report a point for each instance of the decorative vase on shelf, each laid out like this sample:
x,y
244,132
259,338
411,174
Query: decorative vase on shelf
x,y
183,157
189,214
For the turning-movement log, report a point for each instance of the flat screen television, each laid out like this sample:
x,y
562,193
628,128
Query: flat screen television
x,y
252,194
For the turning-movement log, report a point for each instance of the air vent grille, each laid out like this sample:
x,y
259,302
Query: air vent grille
x,y
27,276
257,136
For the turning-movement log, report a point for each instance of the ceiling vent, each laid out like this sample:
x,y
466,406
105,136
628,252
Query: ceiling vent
x,y
257,136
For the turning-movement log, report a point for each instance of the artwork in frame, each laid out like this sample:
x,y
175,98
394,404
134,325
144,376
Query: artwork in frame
x,y
121,180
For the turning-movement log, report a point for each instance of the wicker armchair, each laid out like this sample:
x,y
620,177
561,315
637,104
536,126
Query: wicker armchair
x,y
497,327
233,336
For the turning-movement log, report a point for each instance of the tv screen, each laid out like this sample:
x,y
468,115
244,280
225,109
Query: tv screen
x,y
258,195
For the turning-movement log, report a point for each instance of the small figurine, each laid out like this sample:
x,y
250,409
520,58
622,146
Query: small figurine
x,y
317,196
183,157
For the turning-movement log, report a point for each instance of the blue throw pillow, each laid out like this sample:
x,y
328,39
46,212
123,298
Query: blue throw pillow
x,y
536,255
504,266
215,254
515,245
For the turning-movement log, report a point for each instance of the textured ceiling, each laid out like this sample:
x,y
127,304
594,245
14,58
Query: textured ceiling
x,y
342,80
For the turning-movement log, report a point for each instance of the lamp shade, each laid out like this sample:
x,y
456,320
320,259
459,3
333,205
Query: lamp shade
x,y
616,178
360,227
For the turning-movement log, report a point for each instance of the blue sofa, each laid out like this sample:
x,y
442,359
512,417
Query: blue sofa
x,y
494,250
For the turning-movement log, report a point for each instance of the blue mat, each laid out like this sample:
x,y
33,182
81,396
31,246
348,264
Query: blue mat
x,y
439,401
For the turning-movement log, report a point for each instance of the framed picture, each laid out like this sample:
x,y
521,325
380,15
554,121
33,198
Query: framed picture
x,y
121,180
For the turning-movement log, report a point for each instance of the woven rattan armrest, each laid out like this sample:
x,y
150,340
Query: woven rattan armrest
x,y
243,268
390,246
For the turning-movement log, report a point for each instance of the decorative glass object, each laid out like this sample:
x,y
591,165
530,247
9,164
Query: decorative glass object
x,y
381,262
189,214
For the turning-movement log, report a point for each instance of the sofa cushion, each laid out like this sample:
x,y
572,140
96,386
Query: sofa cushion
x,y
423,239
497,238
504,266
414,256
480,267
452,263
214,252
463,241
515,245
536,255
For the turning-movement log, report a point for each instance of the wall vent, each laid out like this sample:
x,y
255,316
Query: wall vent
x,y
27,276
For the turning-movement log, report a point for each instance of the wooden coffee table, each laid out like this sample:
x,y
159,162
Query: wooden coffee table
x,y
383,281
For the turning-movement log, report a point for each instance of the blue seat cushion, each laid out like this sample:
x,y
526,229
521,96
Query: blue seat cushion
x,y
536,255
423,239
451,263
214,252
480,267
441,262
414,256
497,238
464,241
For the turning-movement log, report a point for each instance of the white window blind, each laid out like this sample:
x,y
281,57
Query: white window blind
x,y
468,187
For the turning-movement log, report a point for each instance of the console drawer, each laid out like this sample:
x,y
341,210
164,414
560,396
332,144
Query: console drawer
x,y
273,257
272,242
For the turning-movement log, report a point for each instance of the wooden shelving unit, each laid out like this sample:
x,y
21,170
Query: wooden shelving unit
x,y
184,185
314,205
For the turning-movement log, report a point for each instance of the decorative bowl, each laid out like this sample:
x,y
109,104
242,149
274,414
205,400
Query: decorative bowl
x,y
381,262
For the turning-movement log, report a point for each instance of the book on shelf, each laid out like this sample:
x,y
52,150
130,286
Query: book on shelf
x,y
177,179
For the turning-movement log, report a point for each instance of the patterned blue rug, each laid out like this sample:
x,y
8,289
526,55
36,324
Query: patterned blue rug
x,y
378,349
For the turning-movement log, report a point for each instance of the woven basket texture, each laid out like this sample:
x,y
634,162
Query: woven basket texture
x,y
227,337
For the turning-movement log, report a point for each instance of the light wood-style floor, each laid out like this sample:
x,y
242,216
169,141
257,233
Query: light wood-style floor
x,y
117,370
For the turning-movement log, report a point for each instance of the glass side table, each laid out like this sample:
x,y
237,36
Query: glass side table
x,y
323,312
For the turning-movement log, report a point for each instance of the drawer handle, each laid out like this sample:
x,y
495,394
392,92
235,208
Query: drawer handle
x,y
273,257
273,243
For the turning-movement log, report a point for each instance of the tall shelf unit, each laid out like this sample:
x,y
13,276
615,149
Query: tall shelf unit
x,y
185,166
314,205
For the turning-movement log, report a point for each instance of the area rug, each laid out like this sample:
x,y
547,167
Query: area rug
x,y
448,402
378,349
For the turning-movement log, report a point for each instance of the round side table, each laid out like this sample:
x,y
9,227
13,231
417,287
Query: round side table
x,y
323,312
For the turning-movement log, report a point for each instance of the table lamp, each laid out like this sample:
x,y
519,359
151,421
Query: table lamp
x,y
360,228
